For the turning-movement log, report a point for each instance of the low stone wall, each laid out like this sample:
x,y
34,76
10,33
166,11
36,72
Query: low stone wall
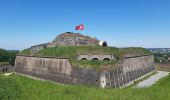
x,y
131,69
36,48
61,71
55,69
163,66
6,68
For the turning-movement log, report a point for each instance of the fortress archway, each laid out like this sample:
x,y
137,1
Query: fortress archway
x,y
95,59
84,59
106,59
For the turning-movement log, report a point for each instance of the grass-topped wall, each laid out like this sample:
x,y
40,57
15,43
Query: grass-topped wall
x,y
71,52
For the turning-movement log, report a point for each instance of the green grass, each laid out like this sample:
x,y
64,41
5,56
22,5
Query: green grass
x,y
93,64
4,63
71,52
15,87
25,52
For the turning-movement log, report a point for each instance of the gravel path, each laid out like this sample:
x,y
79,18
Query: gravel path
x,y
152,79
7,74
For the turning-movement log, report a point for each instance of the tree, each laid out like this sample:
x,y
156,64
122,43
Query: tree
x,y
8,56
3,55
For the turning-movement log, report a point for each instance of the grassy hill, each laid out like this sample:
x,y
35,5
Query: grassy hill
x,y
16,87
71,53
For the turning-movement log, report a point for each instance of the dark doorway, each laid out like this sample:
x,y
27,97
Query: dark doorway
x,y
84,59
45,46
95,59
104,44
106,59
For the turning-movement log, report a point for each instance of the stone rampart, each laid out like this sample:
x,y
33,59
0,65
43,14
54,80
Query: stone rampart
x,y
61,71
130,70
6,68
55,69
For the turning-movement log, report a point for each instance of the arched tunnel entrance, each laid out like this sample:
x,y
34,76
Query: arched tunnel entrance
x,y
104,44
106,59
95,59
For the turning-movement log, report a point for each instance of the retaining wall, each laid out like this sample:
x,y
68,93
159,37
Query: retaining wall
x,y
55,69
61,71
6,68
131,69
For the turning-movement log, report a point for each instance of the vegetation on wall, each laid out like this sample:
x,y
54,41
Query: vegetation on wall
x,y
94,64
71,52
25,52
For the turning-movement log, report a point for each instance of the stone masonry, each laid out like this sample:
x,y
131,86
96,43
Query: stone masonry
x,y
74,39
60,70
6,68
67,39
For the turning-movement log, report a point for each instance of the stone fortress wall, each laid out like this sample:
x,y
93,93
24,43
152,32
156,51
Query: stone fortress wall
x,y
6,68
130,70
60,70
55,69
39,47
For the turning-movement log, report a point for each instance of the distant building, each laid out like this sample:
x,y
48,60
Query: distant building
x,y
159,50
168,58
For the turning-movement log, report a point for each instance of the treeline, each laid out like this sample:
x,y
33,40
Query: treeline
x,y
162,58
8,56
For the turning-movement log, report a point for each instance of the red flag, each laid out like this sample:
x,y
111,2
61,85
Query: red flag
x,y
80,27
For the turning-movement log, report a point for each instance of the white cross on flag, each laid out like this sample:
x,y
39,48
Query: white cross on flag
x,y
80,27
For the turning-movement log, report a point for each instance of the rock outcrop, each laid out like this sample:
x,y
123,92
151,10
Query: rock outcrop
x,y
67,39
74,39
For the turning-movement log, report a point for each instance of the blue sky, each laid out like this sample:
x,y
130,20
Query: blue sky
x,y
122,23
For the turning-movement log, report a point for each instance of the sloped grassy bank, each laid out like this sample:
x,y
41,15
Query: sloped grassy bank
x,y
71,53
16,87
